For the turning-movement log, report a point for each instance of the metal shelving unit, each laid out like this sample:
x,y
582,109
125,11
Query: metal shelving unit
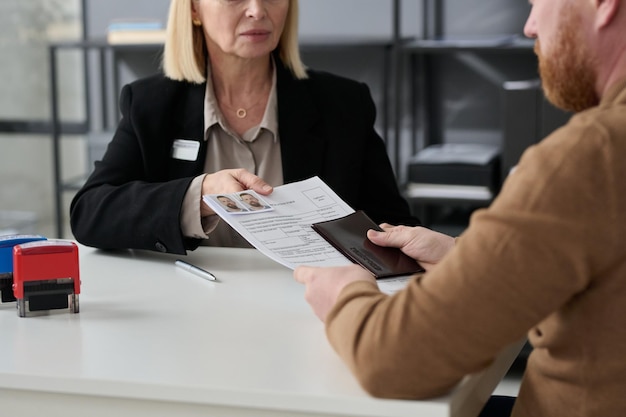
x,y
108,79
426,107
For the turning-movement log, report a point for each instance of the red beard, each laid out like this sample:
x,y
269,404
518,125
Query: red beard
x,y
567,73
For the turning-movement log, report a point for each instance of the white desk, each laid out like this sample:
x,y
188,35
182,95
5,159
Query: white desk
x,y
154,340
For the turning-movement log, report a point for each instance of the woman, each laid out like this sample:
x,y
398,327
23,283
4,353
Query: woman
x,y
236,109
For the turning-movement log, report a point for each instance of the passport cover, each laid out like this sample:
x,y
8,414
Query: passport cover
x,y
349,236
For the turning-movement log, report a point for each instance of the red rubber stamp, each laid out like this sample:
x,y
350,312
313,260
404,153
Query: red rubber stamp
x,y
46,276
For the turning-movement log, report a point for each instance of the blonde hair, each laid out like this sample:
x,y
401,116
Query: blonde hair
x,y
185,53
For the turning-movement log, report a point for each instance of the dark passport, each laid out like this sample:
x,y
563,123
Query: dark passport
x,y
349,236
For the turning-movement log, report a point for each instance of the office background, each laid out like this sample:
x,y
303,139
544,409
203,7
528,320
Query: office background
x,y
469,94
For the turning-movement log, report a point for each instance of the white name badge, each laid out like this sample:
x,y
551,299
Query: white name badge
x,y
184,149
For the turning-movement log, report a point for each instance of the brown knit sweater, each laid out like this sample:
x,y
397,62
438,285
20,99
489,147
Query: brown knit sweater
x,y
547,259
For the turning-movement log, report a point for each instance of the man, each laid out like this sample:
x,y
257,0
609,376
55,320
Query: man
x,y
228,203
546,259
252,202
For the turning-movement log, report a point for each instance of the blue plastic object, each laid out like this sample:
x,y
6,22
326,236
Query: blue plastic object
x,y
7,242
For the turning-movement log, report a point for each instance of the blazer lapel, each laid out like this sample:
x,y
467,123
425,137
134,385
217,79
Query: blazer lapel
x,y
301,149
189,125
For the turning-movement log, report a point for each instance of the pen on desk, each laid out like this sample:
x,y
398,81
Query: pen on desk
x,y
195,270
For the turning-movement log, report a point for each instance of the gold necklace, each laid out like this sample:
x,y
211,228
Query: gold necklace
x,y
242,112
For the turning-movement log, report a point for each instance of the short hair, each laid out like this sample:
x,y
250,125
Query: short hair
x,y
185,53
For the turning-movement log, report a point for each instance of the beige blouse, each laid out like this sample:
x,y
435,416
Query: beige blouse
x,y
257,150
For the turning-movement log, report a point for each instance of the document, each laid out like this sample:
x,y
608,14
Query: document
x,y
135,31
457,153
280,225
282,228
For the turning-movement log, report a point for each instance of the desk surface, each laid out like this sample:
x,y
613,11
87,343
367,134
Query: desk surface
x,y
154,340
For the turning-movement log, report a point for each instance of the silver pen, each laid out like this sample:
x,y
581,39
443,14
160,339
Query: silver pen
x,y
195,270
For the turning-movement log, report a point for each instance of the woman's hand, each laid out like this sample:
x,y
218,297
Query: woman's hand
x,y
424,245
231,181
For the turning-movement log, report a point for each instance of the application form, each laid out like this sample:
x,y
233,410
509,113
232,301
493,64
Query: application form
x,y
279,225
283,231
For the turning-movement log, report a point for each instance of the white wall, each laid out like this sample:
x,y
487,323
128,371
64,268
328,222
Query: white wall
x,y
26,26
317,17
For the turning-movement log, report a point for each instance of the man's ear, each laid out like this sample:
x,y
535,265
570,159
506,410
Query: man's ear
x,y
606,11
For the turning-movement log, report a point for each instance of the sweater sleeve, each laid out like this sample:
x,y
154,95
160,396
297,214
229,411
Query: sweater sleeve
x,y
519,262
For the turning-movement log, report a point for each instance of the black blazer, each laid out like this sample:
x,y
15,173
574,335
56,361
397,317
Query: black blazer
x,y
133,197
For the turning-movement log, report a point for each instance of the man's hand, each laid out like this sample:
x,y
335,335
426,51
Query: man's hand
x,y
424,245
231,181
323,285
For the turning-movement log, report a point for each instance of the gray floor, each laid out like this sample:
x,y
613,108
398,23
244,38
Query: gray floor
x,y
511,382
508,387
